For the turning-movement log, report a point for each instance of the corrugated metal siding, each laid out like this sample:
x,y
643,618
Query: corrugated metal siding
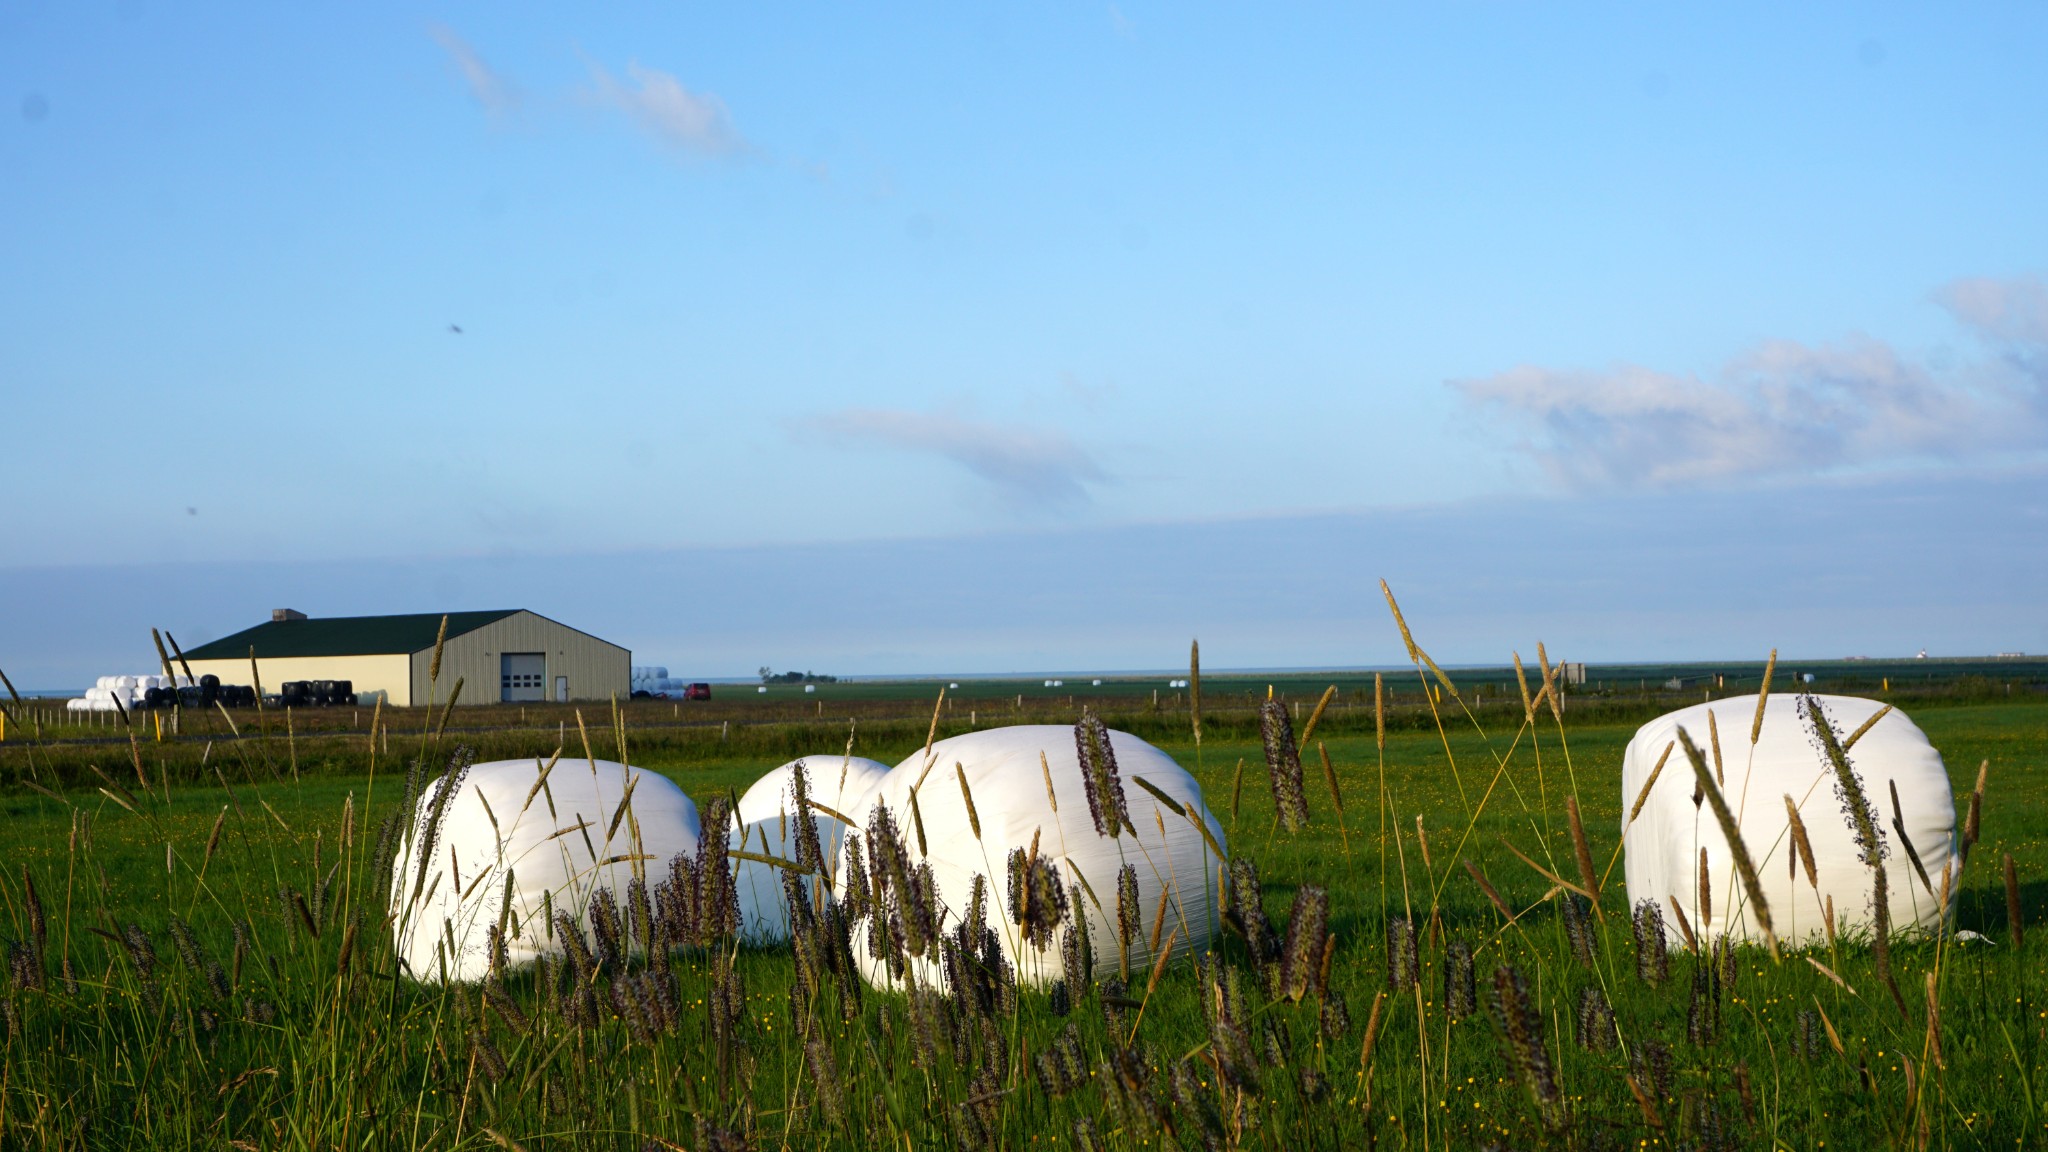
x,y
366,673
597,669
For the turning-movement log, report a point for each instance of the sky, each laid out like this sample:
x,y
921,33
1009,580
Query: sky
x,y
925,338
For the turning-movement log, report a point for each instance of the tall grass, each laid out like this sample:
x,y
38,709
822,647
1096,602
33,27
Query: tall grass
x,y
220,972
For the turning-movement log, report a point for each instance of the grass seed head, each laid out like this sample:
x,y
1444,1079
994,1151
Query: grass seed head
x,y
1461,998
1074,959
1038,900
1404,966
1553,685
1578,928
1099,775
1763,697
1654,1068
1703,1009
1250,912
1283,765
1307,929
1593,1021
1802,847
1521,1026
1653,961
1582,852
38,926
1379,711
1970,824
809,852
967,797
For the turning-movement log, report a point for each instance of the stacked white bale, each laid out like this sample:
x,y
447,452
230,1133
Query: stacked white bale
x,y
648,677
1665,840
766,826
1028,791
101,698
558,834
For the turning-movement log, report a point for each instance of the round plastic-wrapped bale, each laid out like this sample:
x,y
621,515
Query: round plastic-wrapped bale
x,y
1004,841
768,826
1679,858
519,839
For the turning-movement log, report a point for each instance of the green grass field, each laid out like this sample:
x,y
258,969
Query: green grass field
x,y
293,1046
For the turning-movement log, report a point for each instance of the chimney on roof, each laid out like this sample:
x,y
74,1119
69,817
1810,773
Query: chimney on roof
x,y
280,615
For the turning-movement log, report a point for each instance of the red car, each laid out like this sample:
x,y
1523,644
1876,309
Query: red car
x,y
698,691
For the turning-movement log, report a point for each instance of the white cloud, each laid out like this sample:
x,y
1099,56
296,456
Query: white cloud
x,y
691,121
1785,408
1028,465
492,90
2015,311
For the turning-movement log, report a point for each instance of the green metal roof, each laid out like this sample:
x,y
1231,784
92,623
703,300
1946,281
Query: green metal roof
x,y
344,635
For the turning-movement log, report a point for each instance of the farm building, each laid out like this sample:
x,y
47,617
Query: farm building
x,y
510,655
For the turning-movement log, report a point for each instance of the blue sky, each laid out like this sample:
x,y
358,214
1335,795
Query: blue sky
x,y
1120,294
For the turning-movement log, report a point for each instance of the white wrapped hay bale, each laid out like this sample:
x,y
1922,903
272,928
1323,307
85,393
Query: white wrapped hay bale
x,y
558,833
767,826
1029,794
1664,842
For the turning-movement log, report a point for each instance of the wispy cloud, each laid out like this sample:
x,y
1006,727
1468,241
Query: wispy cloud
x,y
1785,408
658,102
497,94
2013,311
1032,466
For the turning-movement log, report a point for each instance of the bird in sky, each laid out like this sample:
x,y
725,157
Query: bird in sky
x,y
455,328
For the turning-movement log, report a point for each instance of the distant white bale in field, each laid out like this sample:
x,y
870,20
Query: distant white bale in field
x,y
767,827
1664,842
449,882
1006,770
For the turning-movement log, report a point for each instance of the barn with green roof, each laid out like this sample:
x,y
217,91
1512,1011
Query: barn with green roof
x,y
506,655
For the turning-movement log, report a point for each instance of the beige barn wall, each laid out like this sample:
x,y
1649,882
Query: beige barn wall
x,y
390,674
596,669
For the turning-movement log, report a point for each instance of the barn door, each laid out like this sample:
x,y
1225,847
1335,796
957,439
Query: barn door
x,y
522,676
